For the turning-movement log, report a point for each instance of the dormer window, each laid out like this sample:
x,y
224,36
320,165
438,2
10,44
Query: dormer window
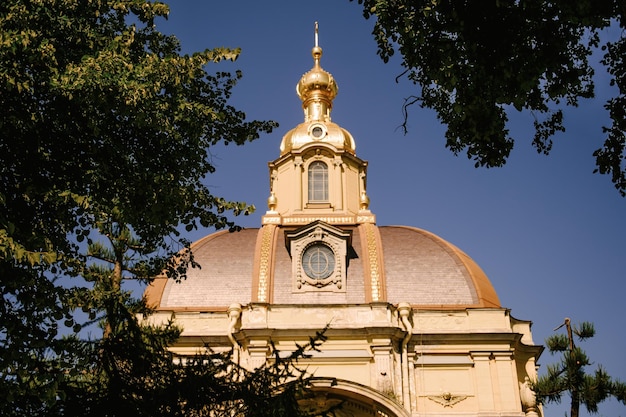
x,y
318,182
318,257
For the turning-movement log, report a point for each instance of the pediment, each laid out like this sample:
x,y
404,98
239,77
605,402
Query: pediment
x,y
317,229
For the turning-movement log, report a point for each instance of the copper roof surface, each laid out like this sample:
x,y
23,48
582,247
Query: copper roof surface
x,y
419,267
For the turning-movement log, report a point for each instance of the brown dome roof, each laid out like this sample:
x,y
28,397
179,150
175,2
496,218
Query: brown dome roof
x,y
418,267
423,269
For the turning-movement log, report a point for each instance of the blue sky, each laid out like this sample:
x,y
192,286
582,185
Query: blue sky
x,y
548,233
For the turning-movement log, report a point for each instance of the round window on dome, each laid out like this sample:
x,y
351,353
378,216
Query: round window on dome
x,y
318,261
317,131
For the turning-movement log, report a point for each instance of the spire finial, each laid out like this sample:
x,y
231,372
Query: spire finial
x,y
317,88
317,51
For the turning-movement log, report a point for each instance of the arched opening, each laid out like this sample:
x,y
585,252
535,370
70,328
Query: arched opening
x,y
348,399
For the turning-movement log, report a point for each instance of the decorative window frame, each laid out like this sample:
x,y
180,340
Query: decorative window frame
x,y
318,232
317,131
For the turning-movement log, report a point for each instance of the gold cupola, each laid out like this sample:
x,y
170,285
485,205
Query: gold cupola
x,y
317,89
318,176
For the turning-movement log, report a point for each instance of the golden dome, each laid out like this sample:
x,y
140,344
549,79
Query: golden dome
x,y
317,85
318,133
317,89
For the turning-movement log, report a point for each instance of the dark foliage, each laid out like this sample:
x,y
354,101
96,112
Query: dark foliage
x,y
477,62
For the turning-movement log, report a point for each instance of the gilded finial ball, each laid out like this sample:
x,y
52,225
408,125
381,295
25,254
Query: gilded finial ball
x,y
364,201
316,52
272,202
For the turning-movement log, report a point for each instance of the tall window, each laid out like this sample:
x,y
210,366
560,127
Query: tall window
x,y
318,182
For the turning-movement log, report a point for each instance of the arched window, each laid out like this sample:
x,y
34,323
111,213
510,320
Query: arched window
x,y
318,182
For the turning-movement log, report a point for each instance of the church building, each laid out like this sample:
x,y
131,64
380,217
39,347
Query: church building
x,y
415,327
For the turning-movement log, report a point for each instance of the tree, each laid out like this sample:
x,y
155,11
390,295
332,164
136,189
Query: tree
x,y
475,63
105,133
568,376
132,372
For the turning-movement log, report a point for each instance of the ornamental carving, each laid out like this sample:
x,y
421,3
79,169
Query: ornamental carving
x,y
447,399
